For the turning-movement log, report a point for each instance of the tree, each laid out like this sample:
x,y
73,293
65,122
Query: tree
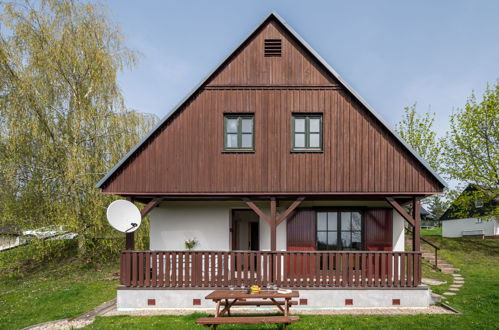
x,y
63,120
418,132
471,149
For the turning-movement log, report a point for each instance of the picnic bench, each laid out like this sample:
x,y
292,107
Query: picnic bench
x,y
225,299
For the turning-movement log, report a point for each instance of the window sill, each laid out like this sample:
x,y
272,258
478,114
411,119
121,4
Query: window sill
x,y
238,151
300,151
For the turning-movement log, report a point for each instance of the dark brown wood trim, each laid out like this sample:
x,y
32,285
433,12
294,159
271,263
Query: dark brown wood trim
x,y
401,211
149,206
421,287
289,210
273,224
398,194
257,210
276,87
416,233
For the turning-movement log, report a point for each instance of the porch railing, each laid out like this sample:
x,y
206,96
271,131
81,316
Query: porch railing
x,y
219,269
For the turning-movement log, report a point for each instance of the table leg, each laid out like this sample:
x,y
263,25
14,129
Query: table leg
x,y
286,307
277,304
228,306
217,311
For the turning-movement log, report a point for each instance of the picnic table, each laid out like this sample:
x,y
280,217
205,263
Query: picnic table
x,y
225,299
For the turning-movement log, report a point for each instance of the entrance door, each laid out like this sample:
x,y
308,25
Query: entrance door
x,y
245,230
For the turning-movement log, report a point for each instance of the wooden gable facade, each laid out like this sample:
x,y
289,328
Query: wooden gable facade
x,y
185,154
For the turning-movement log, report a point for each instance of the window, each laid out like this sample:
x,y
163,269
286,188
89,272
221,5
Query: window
x,y
238,132
339,230
307,132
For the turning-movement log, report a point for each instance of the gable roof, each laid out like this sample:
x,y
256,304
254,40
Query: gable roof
x,y
458,211
272,16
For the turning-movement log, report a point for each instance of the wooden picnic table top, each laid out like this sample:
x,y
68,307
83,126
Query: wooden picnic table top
x,y
240,294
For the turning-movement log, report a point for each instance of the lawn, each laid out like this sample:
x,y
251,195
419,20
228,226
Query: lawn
x,y
65,291
61,290
435,231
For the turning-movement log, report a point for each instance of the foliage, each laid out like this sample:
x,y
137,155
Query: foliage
x,y
25,259
60,289
471,150
418,132
190,243
63,121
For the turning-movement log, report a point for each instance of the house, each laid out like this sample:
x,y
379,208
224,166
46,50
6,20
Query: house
x,y
9,237
284,175
468,216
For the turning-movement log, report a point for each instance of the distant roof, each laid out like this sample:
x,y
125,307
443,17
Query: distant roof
x,y
279,19
456,211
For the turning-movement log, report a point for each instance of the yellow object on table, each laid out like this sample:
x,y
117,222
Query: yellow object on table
x,y
255,289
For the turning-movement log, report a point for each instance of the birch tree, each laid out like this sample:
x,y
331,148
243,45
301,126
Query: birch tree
x,y
63,120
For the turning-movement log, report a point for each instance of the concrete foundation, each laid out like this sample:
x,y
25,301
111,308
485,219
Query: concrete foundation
x,y
131,299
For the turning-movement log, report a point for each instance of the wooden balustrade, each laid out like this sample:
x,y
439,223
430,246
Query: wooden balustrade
x,y
219,269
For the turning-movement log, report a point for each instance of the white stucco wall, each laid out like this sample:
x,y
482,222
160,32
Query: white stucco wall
x,y
455,228
209,223
398,232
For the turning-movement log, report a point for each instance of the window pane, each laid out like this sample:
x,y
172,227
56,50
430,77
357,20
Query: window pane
x,y
322,240
231,125
315,141
332,239
332,218
346,241
356,240
356,221
345,221
315,125
247,125
247,141
231,141
300,125
299,140
321,221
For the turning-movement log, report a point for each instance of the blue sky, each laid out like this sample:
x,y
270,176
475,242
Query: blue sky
x,y
394,53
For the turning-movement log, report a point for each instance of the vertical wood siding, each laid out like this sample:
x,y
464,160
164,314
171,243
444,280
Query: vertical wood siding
x,y
186,154
378,229
301,231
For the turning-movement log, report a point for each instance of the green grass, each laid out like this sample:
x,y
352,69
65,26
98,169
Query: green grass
x,y
435,231
61,290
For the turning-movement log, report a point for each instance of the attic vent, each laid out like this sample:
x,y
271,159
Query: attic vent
x,y
273,47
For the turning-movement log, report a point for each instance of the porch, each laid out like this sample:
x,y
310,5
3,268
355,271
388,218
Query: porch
x,y
287,269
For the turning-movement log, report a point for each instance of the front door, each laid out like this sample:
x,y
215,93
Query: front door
x,y
245,230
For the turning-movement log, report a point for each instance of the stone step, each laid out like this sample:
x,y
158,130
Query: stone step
x,y
435,299
448,270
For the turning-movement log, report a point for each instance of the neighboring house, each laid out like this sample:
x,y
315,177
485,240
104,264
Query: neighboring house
x,y
470,219
9,237
284,175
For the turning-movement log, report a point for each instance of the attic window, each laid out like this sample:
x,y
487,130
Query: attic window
x,y
273,47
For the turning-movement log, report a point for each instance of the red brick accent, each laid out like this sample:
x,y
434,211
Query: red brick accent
x,y
196,301
303,301
396,302
348,302
151,302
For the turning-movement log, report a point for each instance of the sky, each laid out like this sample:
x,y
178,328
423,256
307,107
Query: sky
x,y
393,53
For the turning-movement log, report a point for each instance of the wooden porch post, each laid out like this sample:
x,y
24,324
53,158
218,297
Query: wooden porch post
x,y
130,237
273,223
416,233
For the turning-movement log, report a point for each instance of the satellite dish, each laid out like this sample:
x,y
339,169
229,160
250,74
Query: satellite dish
x,y
123,216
